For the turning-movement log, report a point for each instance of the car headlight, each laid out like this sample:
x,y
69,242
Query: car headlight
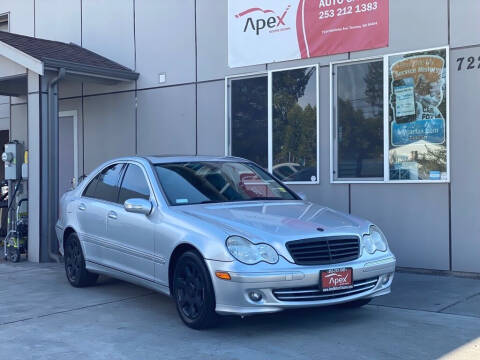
x,y
250,253
374,241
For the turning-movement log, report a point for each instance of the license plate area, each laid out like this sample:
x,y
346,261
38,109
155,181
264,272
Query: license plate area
x,y
336,279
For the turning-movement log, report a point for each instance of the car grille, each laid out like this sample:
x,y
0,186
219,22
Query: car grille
x,y
314,293
324,250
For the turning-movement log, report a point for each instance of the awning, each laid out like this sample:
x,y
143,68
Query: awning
x,y
39,55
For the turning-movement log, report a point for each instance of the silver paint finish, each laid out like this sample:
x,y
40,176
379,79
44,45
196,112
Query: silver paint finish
x,y
138,247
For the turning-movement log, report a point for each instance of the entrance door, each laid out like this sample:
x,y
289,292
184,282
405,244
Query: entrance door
x,y
67,146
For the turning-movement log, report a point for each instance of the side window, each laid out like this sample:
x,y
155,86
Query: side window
x,y
105,184
90,189
134,185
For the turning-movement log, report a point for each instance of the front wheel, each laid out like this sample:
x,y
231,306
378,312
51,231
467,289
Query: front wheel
x,y
77,274
193,292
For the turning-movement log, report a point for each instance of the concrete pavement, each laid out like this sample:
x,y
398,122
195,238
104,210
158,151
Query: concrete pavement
x,y
43,317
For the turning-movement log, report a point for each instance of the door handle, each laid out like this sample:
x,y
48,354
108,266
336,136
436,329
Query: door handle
x,y
112,215
82,207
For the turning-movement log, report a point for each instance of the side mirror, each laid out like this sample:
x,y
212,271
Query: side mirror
x,y
302,196
138,206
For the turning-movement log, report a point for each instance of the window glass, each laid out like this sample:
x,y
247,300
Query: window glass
x,y
90,189
134,185
359,120
107,183
249,119
4,22
213,182
294,124
417,116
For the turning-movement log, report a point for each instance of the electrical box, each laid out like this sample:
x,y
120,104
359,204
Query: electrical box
x,y
13,158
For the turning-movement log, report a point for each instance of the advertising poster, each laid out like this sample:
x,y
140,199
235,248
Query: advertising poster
x,y
265,31
418,116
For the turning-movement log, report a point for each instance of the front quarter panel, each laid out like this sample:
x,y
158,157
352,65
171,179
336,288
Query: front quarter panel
x,y
175,228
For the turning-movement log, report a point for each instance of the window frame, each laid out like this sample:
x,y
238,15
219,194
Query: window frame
x,y
153,195
269,74
5,18
122,178
95,178
386,125
334,128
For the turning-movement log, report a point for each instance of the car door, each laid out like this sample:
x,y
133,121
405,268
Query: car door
x,y
131,234
92,209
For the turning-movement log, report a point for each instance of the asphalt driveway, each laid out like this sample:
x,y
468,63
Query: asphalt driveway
x,y
43,317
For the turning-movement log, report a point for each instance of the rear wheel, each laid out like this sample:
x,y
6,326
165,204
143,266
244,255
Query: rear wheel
x,y
193,292
77,274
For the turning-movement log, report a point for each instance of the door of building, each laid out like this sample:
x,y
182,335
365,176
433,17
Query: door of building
x,y
68,151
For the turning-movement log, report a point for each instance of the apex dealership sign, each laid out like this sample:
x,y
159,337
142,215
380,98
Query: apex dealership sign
x,y
265,31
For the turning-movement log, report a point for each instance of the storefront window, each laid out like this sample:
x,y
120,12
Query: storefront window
x,y
249,118
358,113
390,118
294,124
283,137
418,116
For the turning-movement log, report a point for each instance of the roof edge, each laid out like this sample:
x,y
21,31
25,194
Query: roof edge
x,y
96,71
21,58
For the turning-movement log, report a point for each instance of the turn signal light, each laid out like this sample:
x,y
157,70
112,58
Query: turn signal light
x,y
223,275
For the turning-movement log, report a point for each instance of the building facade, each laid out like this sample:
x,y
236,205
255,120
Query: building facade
x,y
186,101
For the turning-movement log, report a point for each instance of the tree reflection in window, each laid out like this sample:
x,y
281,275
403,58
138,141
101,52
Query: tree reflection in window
x,y
294,124
360,120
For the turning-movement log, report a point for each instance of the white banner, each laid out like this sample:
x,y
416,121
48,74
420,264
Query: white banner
x,y
262,31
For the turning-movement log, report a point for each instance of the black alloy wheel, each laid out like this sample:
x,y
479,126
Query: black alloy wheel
x,y
193,292
77,274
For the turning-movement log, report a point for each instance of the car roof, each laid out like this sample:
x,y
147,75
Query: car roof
x,y
162,159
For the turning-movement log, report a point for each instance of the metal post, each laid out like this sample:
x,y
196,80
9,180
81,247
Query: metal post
x,y
52,167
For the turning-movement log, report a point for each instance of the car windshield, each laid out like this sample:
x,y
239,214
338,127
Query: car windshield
x,y
202,182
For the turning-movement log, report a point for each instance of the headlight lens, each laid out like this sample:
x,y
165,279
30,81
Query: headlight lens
x,y
375,241
250,253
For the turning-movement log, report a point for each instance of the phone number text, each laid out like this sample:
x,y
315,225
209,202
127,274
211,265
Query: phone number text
x,y
348,10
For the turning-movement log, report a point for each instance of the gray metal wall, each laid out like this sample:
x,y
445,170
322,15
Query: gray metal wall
x,y
187,40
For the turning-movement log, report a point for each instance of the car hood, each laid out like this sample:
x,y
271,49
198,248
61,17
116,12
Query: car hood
x,y
277,221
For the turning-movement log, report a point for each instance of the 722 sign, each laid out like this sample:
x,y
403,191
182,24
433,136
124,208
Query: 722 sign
x,y
468,63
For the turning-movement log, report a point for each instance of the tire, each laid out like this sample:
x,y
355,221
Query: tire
x,y
193,292
77,274
14,254
355,304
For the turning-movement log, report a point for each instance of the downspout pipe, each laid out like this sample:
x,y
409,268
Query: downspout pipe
x,y
53,166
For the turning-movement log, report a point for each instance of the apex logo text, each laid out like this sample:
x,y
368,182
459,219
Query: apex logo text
x,y
272,23
335,279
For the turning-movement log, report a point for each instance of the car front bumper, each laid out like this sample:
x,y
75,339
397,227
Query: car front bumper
x,y
285,285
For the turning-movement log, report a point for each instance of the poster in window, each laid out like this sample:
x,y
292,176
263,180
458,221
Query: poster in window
x,y
418,126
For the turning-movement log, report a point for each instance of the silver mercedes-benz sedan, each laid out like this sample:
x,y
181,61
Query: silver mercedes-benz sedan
x,y
221,236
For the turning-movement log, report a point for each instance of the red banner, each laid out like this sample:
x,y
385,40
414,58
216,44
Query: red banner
x,y
327,27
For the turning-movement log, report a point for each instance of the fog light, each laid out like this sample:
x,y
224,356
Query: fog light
x,y
385,279
255,296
